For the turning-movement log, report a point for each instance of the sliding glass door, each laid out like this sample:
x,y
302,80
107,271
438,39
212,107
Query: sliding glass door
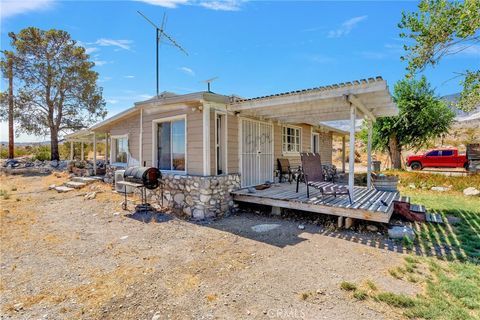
x,y
171,143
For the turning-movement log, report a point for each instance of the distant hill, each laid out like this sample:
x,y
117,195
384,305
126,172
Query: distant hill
x,y
460,115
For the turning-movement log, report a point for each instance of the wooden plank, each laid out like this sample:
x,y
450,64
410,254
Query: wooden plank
x,y
433,218
372,200
351,213
417,208
367,201
378,205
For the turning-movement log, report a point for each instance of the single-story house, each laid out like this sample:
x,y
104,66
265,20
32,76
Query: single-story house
x,y
207,144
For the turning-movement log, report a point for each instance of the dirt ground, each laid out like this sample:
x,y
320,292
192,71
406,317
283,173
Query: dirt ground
x,y
64,257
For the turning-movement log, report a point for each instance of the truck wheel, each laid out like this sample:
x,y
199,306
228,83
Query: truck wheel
x,y
465,166
416,165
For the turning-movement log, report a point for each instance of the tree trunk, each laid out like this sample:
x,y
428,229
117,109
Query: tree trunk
x,y
395,152
54,154
11,143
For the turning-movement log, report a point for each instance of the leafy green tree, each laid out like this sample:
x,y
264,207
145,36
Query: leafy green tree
x,y
57,88
442,28
422,117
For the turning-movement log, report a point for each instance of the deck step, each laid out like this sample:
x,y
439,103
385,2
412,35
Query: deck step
x,y
86,180
433,218
418,208
403,199
75,185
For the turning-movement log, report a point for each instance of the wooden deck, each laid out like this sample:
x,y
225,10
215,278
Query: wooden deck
x,y
372,205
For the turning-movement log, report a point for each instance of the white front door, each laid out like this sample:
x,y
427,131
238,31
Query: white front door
x,y
256,155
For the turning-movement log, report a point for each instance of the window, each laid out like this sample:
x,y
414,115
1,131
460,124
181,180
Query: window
x,y
315,143
447,153
120,150
291,139
171,145
433,153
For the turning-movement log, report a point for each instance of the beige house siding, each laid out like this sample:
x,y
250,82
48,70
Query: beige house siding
x,y
326,147
306,145
194,117
131,127
194,122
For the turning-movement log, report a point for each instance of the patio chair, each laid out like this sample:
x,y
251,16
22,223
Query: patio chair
x,y
313,177
284,169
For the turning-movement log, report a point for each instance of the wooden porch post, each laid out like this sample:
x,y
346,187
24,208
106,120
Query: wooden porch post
x,y
343,154
206,140
94,154
107,151
71,150
369,155
82,155
351,159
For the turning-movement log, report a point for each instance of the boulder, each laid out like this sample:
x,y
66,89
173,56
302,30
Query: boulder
x,y
372,228
399,232
471,191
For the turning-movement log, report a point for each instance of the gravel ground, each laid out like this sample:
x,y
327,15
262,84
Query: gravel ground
x,y
65,257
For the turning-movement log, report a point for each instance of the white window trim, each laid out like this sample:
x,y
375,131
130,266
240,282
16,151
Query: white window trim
x,y
300,144
225,142
155,122
112,149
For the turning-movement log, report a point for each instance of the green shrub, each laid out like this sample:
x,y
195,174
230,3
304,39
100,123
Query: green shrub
x,y
396,300
371,285
348,286
42,153
360,295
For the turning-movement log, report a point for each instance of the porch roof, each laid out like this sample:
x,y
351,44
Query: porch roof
x,y
371,98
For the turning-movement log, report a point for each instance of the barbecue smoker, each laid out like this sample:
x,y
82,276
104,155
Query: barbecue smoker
x,y
142,178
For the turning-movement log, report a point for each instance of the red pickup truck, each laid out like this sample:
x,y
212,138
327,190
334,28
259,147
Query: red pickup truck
x,y
438,158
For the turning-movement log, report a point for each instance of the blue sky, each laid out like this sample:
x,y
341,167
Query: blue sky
x,y
254,47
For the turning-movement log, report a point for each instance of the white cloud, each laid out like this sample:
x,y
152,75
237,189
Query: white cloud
x,y
226,5
218,5
123,44
111,101
10,8
129,77
346,27
91,50
100,63
165,3
188,71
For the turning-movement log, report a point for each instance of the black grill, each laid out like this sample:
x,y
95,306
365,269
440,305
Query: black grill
x,y
146,176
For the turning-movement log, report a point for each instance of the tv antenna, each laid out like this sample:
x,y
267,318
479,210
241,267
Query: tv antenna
x,y
208,82
160,32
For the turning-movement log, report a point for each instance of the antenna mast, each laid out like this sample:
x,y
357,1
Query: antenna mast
x,y
208,82
159,33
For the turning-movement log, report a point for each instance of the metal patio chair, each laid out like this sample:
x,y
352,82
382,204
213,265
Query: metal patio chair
x,y
312,173
284,168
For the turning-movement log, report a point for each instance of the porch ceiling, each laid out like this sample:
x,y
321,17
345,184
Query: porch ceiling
x,y
329,103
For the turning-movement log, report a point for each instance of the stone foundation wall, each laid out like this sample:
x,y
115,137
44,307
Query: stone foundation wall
x,y
197,197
